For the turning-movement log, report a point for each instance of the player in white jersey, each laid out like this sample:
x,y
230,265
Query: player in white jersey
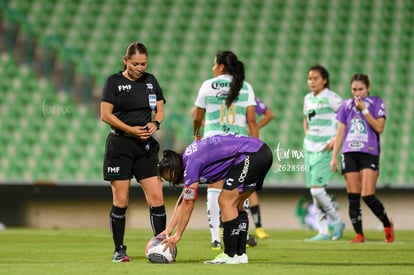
x,y
226,104
319,124
219,118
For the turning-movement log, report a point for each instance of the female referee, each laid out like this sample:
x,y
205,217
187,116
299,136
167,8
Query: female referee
x,y
133,105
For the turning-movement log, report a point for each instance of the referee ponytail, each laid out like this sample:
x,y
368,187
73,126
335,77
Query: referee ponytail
x,y
135,48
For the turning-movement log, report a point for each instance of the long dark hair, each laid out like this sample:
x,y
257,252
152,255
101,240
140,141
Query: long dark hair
x,y
323,71
234,67
171,164
135,48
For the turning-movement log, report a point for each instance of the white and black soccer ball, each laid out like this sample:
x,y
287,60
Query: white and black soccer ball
x,y
155,251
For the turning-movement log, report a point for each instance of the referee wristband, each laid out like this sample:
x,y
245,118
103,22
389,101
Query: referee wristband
x,y
365,112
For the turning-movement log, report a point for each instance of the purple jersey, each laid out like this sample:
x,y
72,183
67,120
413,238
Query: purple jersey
x,y
260,107
359,135
210,159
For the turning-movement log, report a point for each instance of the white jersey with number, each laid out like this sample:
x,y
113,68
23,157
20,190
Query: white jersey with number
x,y
320,112
218,118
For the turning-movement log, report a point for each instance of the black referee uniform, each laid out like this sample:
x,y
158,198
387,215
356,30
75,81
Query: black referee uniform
x,y
134,102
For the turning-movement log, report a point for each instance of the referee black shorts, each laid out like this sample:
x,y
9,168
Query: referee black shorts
x,y
356,161
127,157
249,174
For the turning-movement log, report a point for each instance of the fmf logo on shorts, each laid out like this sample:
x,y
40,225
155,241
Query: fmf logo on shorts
x,y
114,170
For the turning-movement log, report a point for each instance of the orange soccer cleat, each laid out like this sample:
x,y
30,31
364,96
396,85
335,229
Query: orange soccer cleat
x,y
359,238
389,233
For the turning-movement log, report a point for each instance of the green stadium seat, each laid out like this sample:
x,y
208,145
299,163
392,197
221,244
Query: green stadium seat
x,y
277,41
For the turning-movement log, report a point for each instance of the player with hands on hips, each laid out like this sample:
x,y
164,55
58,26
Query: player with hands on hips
x,y
361,121
133,105
241,163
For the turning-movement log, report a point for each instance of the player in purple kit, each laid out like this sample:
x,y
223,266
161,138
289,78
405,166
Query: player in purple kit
x,y
242,162
361,120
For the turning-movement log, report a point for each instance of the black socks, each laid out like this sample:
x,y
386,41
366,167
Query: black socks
x,y
244,230
158,219
117,221
235,235
117,224
255,210
377,208
354,211
231,236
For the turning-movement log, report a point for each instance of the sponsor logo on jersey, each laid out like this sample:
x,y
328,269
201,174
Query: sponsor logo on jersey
x,y
356,145
229,181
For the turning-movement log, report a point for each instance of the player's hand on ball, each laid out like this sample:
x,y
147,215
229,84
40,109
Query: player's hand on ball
x,y
170,242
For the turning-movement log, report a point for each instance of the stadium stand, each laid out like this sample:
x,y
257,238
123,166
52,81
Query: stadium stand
x,y
45,136
277,40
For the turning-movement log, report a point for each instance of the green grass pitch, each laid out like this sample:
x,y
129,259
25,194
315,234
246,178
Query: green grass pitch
x,y
89,251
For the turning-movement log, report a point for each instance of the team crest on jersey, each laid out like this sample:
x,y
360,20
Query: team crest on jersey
x,y
222,94
149,86
358,132
357,126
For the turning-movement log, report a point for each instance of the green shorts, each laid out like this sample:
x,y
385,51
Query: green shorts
x,y
318,172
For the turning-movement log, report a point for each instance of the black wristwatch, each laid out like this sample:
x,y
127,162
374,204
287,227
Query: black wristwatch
x,y
157,123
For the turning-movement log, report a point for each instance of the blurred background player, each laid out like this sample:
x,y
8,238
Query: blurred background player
x,y
319,125
361,121
224,104
133,105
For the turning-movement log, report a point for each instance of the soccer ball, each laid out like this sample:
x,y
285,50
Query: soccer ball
x,y
155,253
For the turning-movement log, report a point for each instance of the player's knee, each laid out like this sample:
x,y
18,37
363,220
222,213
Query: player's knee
x,y
318,192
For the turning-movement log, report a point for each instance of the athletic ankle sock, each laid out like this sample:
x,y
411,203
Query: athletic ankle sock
x,y
377,208
326,204
213,213
158,219
322,219
231,236
257,219
244,231
117,224
317,195
354,211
